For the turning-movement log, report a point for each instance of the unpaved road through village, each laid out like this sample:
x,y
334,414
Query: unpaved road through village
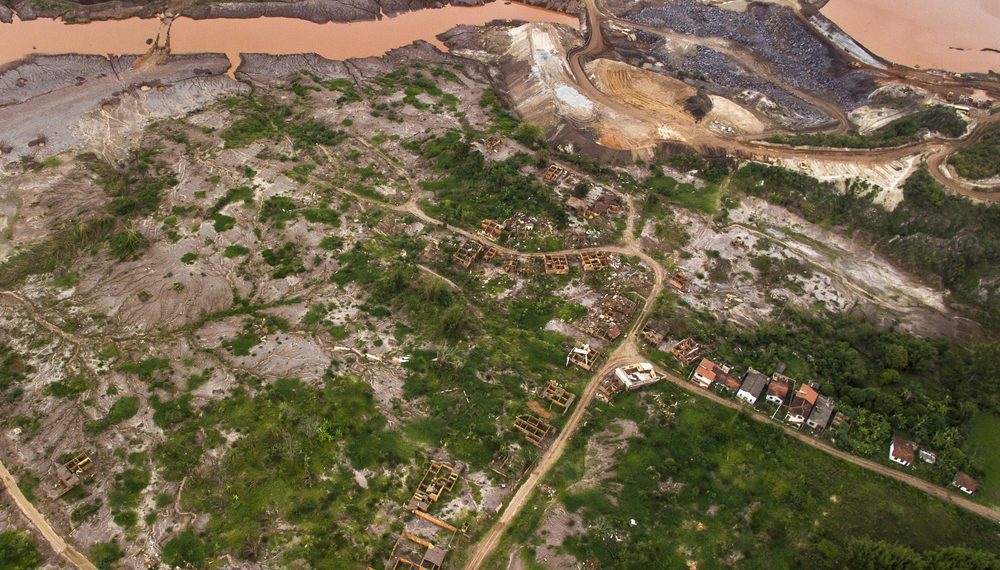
x,y
55,541
628,353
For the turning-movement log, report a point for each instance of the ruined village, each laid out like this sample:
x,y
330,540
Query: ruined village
x,y
573,285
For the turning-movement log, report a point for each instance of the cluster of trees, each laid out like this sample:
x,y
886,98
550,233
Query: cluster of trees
x,y
890,382
930,232
18,551
473,188
980,160
938,119
869,554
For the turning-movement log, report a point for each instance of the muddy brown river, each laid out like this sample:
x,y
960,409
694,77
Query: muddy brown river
x,y
955,35
258,35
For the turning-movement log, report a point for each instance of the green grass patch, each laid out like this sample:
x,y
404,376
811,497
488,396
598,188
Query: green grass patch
x,y
756,482
983,447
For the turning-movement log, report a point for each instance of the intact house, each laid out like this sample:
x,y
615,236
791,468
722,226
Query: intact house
x,y
778,389
822,413
802,405
902,451
708,372
754,384
728,382
966,484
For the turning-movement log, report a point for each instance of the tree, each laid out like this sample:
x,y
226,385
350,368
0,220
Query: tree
x,y
868,554
18,551
895,356
104,555
184,549
455,322
958,558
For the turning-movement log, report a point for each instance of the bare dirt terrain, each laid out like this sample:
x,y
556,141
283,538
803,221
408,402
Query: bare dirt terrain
x,y
287,197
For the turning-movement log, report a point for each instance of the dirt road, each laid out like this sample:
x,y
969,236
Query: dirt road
x,y
936,151
628,353
929,488
57,543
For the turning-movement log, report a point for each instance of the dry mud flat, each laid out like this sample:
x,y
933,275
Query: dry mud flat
x,y
842,275
318,11
50,104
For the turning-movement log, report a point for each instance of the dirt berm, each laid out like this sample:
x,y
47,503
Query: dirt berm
x,y
319,11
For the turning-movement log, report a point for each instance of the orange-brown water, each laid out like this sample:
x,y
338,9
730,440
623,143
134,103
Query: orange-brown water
x,y
924,32
258,35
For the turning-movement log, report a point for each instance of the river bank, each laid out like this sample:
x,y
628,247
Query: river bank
x,y
273,35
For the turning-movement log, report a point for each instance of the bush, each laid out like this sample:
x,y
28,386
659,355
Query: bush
x,y
980,160
18,551
123,409
105,555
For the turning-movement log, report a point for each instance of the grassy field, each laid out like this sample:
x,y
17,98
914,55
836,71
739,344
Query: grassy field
x,y
983,446
709,485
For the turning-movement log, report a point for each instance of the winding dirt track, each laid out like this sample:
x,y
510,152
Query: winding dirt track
x,y
628,351
704,140
55,541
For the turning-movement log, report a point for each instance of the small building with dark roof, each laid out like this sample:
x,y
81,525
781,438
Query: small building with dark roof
x,y
822,413
754,384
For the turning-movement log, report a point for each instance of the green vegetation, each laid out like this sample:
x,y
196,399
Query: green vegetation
x,y
278,211
980,160
938,119
474,188
930,232
13,368
105,555
660,187
184,550
285,260
728,488
888,382
28,484
222,222
712,172
122,409
348,94
237,250
18,551
69,388
982,447
134,186
239,194
290,462
129,485
263,118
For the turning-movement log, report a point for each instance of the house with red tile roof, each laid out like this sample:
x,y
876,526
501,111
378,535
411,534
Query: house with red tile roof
x,y
778,389
802,405
902,451
965,483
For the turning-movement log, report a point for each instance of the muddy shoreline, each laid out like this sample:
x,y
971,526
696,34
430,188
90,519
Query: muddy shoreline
x,y
317,11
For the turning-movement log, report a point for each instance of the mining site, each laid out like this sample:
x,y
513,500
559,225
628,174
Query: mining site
x,y
440,285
